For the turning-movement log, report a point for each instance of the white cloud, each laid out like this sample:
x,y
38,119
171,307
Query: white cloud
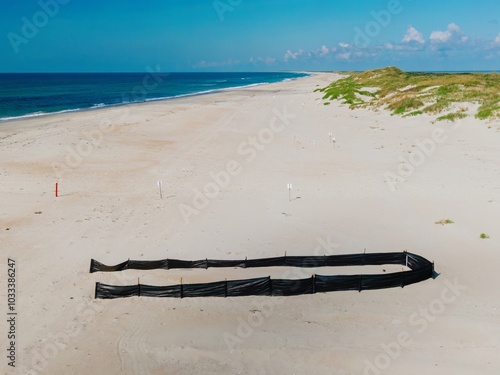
x,y
344,56
452,35
440,36
396,47
293,55
453,27
497,39
324,51
413,36
320,52
216,64
345,51
267,60
451,38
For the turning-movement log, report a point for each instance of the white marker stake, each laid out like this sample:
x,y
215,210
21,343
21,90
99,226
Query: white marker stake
x,y
334,144
159,187
289,192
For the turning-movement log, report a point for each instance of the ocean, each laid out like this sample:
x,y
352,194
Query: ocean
x,y
37,94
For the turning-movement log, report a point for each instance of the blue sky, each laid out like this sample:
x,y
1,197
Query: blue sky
x,y
247,35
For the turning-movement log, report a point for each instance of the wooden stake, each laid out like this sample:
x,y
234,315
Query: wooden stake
x,y
57,189
159,187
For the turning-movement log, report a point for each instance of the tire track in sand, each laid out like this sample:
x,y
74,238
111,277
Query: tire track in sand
x,y
132,350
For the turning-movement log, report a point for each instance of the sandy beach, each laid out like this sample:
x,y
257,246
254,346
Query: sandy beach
x,y
224,161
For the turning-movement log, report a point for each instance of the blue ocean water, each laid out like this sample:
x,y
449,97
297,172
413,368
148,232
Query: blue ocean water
x,y
35,94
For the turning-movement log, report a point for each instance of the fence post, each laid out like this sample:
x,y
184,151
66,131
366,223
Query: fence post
x,y
182,292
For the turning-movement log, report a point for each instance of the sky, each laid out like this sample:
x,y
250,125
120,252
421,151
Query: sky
x,y
248,35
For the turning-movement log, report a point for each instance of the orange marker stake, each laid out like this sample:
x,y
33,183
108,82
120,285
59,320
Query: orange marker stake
x,y
57,189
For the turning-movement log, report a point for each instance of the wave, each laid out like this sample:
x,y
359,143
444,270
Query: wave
x,y
204,92
39,114
104,105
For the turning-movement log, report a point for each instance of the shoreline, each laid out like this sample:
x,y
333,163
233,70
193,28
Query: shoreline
x,y
97,107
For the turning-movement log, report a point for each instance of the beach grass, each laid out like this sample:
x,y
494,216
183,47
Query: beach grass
x,y
445,221
411,93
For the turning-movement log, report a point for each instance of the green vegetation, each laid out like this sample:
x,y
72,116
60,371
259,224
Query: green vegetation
x,y
347,89
415,113
412,94
445,221
452,116
484,236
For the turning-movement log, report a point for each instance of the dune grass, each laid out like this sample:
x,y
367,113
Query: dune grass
x,y
445,221
413,94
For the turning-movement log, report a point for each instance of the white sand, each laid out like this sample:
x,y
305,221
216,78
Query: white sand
x,y
109,209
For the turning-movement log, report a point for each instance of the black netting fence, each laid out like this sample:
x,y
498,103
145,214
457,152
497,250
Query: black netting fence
x,y
420,269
